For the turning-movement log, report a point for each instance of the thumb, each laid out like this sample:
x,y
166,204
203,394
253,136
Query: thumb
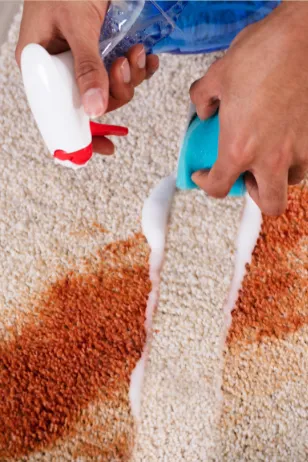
x,y
91,75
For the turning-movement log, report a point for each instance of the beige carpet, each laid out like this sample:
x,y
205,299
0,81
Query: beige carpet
x,y
265,415
74,285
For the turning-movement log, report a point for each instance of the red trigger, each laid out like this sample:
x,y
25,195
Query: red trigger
x,y
105,130
82,156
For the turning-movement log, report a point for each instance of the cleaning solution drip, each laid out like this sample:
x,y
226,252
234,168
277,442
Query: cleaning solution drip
x,y
178,27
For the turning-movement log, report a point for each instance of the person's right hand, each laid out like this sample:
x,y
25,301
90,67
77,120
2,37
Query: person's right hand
x,y
59,26
261,88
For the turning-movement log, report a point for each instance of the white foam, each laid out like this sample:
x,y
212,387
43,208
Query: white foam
x,y
246,240
155,216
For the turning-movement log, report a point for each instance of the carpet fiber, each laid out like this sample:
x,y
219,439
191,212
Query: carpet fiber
x,y
265,414
74,286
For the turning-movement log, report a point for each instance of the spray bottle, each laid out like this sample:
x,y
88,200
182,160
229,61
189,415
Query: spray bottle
x,y
178,27
55,102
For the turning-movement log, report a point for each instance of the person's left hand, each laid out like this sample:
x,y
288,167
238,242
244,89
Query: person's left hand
x,y
261,89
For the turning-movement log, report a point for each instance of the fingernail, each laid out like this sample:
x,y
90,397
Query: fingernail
x,y
94,102
125,69
141,60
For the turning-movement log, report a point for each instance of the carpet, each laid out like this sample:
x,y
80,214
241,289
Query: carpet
x,y
77,343
265,413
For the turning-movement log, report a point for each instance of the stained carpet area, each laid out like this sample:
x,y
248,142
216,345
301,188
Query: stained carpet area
x,y
265,414
74,288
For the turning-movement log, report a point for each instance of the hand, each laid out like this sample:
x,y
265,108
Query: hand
x,y
261,88
59,26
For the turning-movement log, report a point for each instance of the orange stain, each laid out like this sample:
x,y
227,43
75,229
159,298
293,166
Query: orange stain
x,y
274,297
82,344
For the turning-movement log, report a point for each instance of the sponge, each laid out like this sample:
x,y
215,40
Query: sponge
x,y
199,151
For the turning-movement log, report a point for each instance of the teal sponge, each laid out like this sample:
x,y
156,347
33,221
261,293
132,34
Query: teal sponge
x,y
199,151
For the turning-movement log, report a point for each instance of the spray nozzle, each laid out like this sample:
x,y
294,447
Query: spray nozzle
x,y
82,156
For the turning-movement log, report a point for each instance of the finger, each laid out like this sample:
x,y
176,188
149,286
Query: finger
x,y
53,46
216,182
121,88
269,192
102,145
137,60
38,26
91,75
57,45
229,165
297,174
152,65
27,34
205,92
252,186
30,34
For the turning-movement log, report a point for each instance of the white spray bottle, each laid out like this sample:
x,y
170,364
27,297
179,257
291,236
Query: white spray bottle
x,y
55,102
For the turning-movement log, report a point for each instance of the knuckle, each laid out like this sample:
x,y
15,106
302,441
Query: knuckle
x,y
236,154
97,11
278,160
63,14
241,153
87,67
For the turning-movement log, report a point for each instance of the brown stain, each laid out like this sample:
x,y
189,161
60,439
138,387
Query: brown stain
x,y
81,345
273,301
